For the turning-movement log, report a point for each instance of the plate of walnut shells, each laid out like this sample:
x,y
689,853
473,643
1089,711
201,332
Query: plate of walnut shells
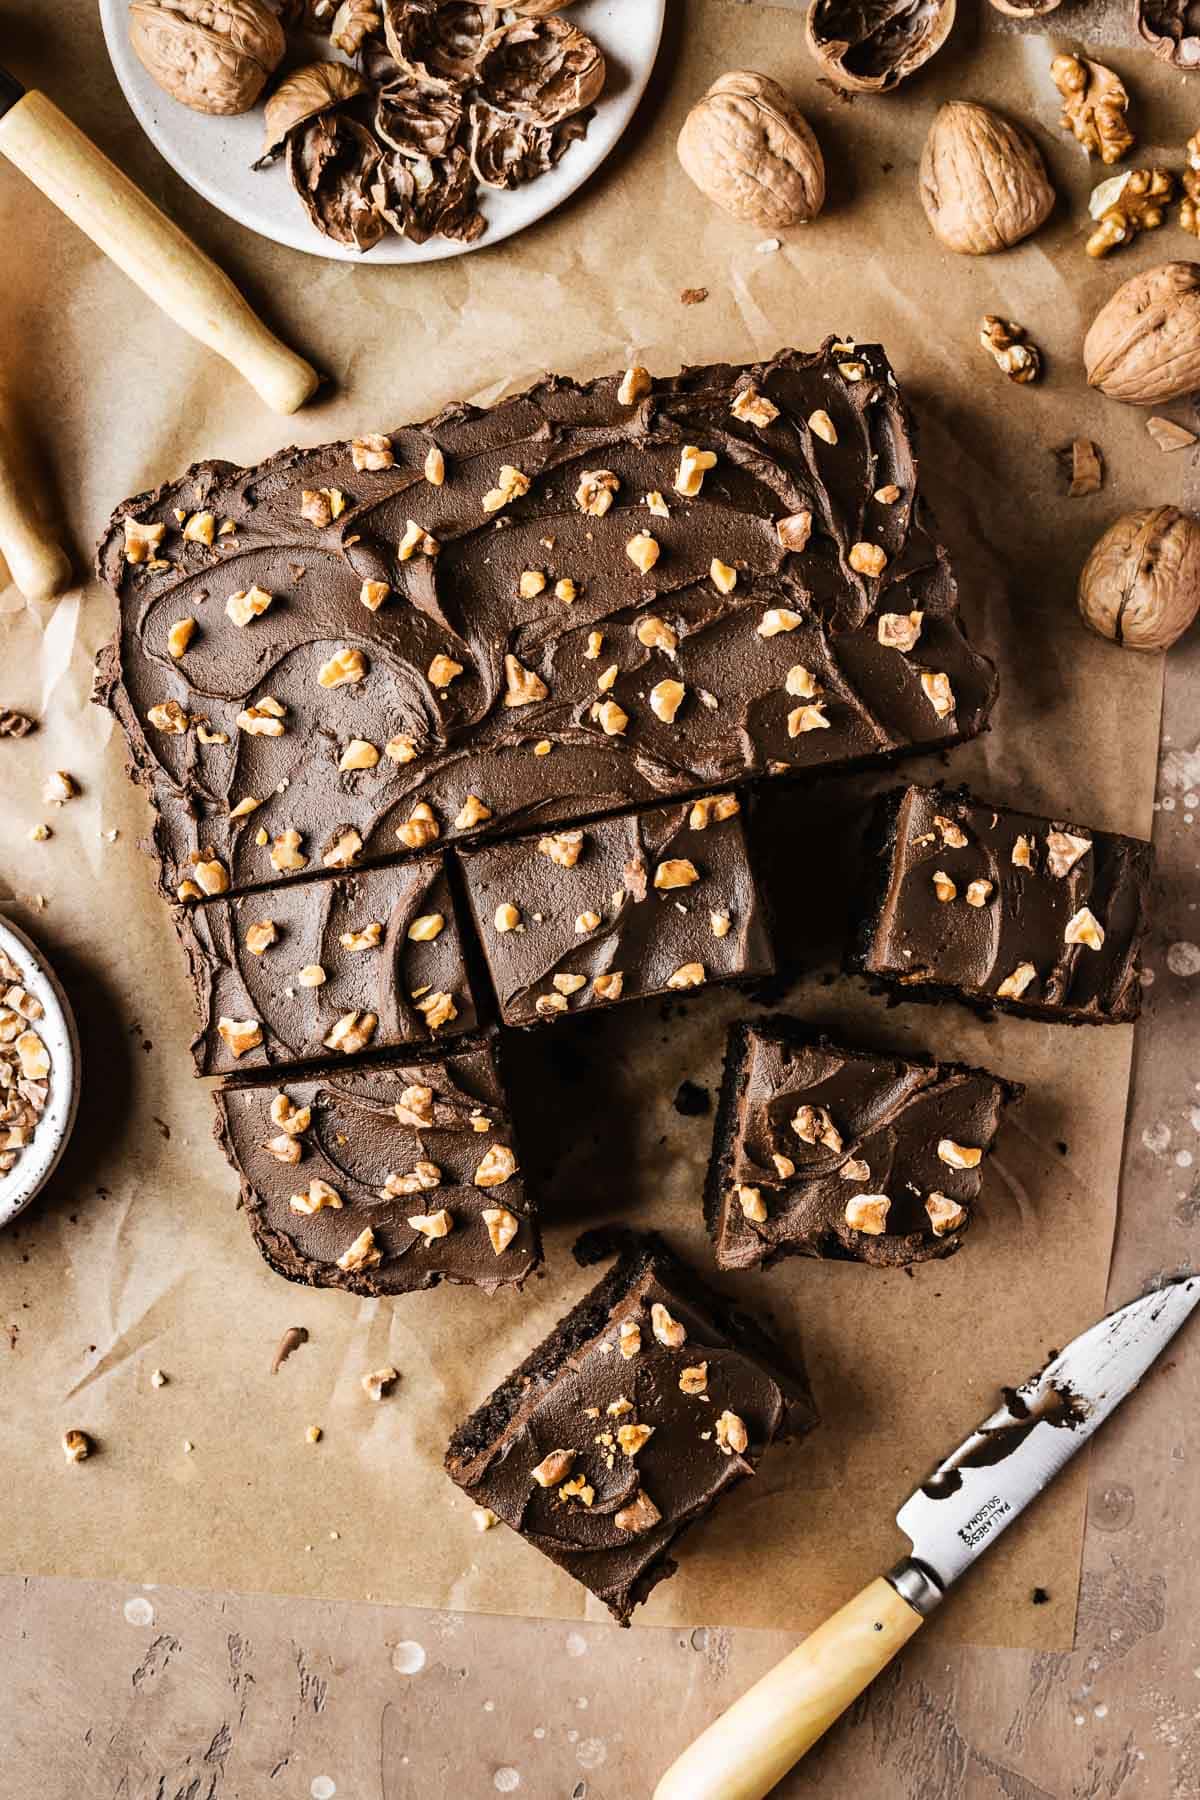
x,y
395,131
39,1071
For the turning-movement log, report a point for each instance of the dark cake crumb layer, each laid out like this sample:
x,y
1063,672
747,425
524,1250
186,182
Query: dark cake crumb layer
x,y
649,1401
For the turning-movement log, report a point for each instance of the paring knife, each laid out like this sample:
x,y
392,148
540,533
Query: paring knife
x,y
951,1519
81,181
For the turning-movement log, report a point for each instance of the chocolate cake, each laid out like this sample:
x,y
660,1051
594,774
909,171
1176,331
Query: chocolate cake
x,y
999,908
320,970
821,1150
590,597
385,1177
649,1401
653,902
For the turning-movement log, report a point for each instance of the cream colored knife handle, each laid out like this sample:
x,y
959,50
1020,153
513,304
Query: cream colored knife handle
x,y
752,1746
36,560
92,191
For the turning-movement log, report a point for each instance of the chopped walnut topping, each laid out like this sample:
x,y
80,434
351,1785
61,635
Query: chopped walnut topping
x,y
813,1125
523,686
587,921
868,1213
640,1515
373,594
616,1409
958,1156
608,679
511,484
944,1214
352,1032
442,671
367,939
854,1169
723,577
807,718
263,720
1063,851
374,451
952,834
439,1009
415,539
553,1468
899,631
822,426
694,1380
887,495
142,541
802,683
732,1436
688,975
611,718
629,1338
563,848
358,754
1022,853
978,893
596,492
657,505
400,749
420,1179
376,1384
210,737
694,465
245,807
483,1518
507,917
169,717
795,530
318,1196
473,812
943,887
261,936
656,634
362,1254
1014,985
644,551
284,1149
713,809
578,1488
753,1206
938,692
777,619
415,1106
610,986
867,559
531,584
312,975
211,875
246,605
498,1166
77,1445
633,1438
753,408
435,466
285,851
502,1227
595,644
1084,928
321,506
669,1332
180,636
289,1118
344,667
635,385
426,928
569,984
785,1168
420,827
676,872
566,591
432,1225
343,852
549,1006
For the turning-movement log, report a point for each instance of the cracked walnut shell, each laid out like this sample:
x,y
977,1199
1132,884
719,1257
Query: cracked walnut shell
x,y
212,55
1140,586
870,46
747,147
982,182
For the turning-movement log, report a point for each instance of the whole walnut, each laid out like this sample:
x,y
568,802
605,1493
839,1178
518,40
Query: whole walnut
x,y
213,55
1144,344
1140,586
747,146
983,183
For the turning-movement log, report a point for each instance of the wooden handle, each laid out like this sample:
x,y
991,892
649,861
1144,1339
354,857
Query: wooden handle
x,y
753,1745
36,560
92,191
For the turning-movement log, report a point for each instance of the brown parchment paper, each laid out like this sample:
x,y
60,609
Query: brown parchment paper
x,y
136,1258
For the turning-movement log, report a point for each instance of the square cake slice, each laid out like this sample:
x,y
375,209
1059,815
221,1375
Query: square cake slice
x,y
384,1178
1000,908
655,902
646,1404
592,596
323,969
820,1150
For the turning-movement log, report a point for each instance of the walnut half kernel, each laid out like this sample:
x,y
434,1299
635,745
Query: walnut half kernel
x,y
502,1227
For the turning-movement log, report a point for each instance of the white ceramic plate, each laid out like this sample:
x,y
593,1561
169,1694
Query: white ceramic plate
x,y
37,1161
214,155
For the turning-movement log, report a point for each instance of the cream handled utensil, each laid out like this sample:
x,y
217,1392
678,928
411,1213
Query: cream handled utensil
x,y
69,169
951,1519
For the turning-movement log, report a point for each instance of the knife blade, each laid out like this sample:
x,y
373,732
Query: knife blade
x,y
956,1514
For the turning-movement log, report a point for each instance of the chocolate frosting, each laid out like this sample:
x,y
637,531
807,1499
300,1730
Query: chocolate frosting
x,y
890,1113
231,981
560,1400
464,603
920,942
354,1142
646,933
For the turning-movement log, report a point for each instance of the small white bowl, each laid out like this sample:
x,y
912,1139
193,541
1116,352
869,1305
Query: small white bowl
x,y
37,1161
